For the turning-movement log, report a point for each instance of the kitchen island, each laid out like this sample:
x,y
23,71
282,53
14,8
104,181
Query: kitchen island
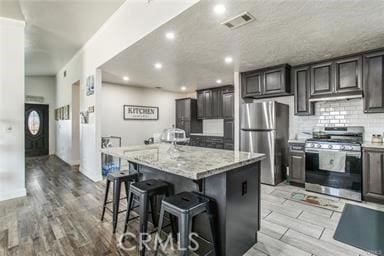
x,y
231,178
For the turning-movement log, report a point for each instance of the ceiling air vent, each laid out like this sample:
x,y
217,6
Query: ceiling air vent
x,y
239,20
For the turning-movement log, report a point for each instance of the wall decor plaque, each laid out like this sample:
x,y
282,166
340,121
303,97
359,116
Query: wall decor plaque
x,y
90,85
133,112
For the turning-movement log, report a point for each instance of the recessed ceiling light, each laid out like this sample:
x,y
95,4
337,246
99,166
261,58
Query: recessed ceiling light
x,y
183,88
218,81
219,9
170,35
158,65
228,59
125,78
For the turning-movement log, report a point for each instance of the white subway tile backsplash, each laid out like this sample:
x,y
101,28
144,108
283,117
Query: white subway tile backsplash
x,y
213,126
335,114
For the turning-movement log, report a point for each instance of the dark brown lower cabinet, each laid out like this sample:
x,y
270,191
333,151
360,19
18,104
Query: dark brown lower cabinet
x,y
297,168
373,175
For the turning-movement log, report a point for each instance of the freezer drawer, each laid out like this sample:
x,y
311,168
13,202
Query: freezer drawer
x,y
262,142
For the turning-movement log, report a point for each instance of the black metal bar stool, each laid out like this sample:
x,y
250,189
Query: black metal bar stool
x,y
145,192
117,178
185,206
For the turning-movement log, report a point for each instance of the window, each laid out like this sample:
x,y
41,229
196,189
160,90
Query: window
x,y
34,122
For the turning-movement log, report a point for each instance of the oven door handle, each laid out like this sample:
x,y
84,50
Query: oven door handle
x,y
349,153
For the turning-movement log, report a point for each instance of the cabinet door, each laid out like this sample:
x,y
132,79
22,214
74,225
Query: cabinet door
x,y
180,109
228,131
373,79
208,104
187,127
373,175
252,84
180,124
322,79
200,105
228,105
216,103
275,81
301,83
297,167
348,75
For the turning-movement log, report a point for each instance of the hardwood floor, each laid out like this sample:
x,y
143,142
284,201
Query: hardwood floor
x,y
61,216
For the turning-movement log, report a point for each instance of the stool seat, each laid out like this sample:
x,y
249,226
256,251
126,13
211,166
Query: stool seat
x,y
117,179
146,192
120,175
149,185
186,201
186,206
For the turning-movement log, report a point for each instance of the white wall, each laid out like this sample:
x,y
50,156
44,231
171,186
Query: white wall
x,y
44,86
12,163
133,132
132,21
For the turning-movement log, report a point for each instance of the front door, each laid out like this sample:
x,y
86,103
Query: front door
x,y
36,130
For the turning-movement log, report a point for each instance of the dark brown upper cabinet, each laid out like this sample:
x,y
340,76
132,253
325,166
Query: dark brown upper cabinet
x,y
348,74
252,84
266,82
301,84
322,81
215,103
186,116
337,77
373,67
200,104
208,104
276,80
228,105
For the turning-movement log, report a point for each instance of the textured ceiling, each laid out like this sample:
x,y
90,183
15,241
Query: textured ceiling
x,y
56,29
285,31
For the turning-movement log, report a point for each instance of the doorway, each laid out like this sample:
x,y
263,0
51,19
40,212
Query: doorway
x,y
36,130
76,124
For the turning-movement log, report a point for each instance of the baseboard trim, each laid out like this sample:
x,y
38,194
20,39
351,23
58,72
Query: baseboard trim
x,y
14,194
94,178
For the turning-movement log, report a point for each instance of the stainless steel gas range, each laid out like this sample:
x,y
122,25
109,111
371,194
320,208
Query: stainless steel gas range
x,y
333,162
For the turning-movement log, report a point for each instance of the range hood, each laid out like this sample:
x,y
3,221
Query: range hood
x,y
336,97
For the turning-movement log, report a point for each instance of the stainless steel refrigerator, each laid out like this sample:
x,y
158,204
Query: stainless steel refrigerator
x,y
265,129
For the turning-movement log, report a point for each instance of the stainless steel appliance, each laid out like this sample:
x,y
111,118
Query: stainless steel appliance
x,y
333,165
264,129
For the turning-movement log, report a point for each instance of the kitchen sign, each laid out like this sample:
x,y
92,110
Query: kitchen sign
x,y
132,112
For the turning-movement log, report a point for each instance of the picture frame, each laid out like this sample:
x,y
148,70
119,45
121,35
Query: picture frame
x,y
136,112
90,85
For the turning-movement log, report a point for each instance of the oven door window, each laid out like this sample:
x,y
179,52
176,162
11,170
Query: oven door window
x,y
350,179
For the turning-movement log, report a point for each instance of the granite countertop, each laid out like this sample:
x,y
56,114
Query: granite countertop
x,y
193,162
368,144
207,134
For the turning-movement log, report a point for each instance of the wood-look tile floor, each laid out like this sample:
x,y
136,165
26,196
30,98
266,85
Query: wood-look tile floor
x,y
61,216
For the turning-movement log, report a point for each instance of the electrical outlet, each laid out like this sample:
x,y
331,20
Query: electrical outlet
x,y
244,188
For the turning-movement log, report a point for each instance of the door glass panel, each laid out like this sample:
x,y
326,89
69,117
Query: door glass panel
x,y
34,122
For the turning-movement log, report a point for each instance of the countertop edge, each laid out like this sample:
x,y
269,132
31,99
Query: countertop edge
x,y
196,176
373,145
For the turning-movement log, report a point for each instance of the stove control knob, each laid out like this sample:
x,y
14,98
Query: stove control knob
x,y
317,145
343,148
309,145
330,146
